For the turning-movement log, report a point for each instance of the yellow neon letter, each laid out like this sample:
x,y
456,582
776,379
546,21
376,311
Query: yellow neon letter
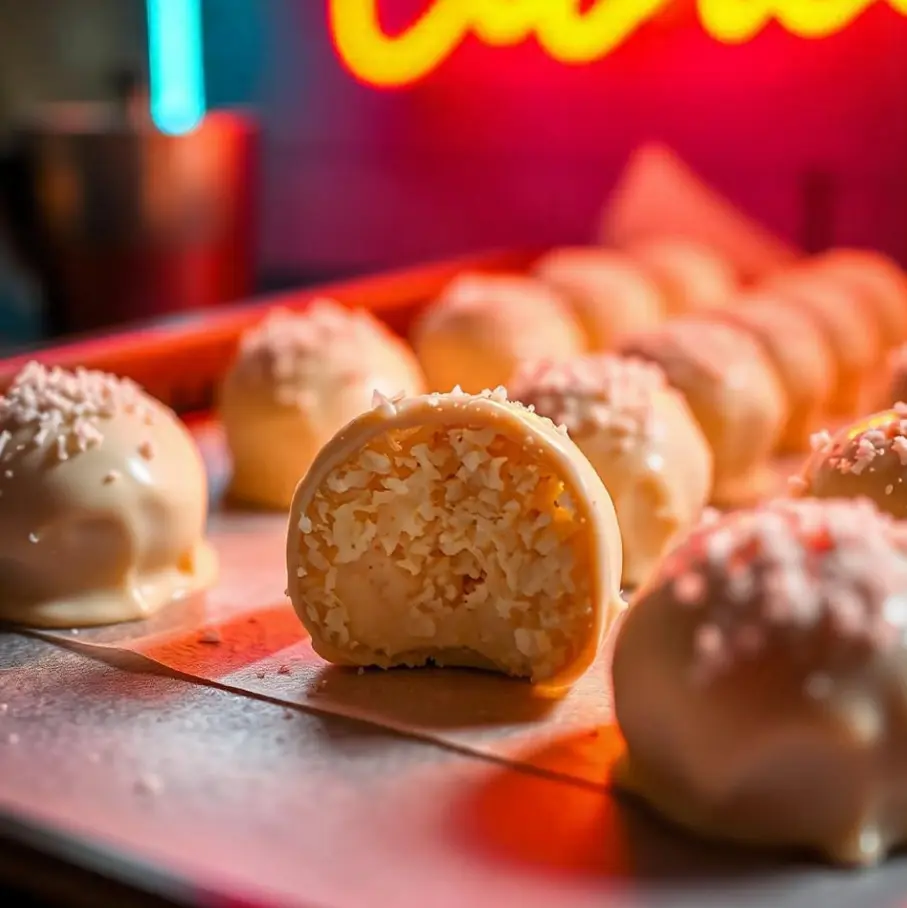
x,y
562,30
735,21
574,37
383,60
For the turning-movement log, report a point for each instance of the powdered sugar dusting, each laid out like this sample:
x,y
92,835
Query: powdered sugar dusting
x,y
788,568
66,410
593,393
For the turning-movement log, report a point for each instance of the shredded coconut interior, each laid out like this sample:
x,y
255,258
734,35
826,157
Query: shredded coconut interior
x,y
445,538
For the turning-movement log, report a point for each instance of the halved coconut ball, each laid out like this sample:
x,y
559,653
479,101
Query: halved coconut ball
x,y
458,530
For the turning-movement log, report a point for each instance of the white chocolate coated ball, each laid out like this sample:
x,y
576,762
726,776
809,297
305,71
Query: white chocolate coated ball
x,y
610,294
641,438
483,326
103,502
297,379
760,681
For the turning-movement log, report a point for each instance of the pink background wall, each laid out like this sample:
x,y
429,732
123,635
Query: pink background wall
x,y
505,146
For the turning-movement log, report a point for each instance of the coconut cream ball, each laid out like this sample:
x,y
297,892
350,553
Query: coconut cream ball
x,y
691,276
458,530
760,681
800,354
866,459
640,437
732,389
849,329
103,502
484,325
297,378
609,293
878,280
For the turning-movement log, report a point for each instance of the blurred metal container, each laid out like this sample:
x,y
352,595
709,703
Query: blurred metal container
x,y
127,222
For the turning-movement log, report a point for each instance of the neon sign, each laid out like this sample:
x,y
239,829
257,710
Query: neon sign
x,y
565,32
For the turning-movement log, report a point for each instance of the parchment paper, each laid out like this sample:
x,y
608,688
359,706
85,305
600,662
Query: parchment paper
x,y
243,635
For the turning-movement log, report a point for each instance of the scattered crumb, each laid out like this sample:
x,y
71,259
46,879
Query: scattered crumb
x,y
112,476
360,671
33,537
284,670
75,632
211,635
146,449
260,674
149,785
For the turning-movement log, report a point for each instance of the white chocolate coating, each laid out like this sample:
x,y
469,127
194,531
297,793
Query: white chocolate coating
x,y
483,326
866,459
691,276
640,437
458,530
296,380
850,330
732,390
801,355
880,282
103,502
610,294
760,681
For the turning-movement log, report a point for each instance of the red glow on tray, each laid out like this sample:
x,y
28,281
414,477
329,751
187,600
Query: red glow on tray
x,y
569,31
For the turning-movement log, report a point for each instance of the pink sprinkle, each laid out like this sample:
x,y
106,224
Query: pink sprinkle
x,y
709,641
819,441
864,454
689,588
790,568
